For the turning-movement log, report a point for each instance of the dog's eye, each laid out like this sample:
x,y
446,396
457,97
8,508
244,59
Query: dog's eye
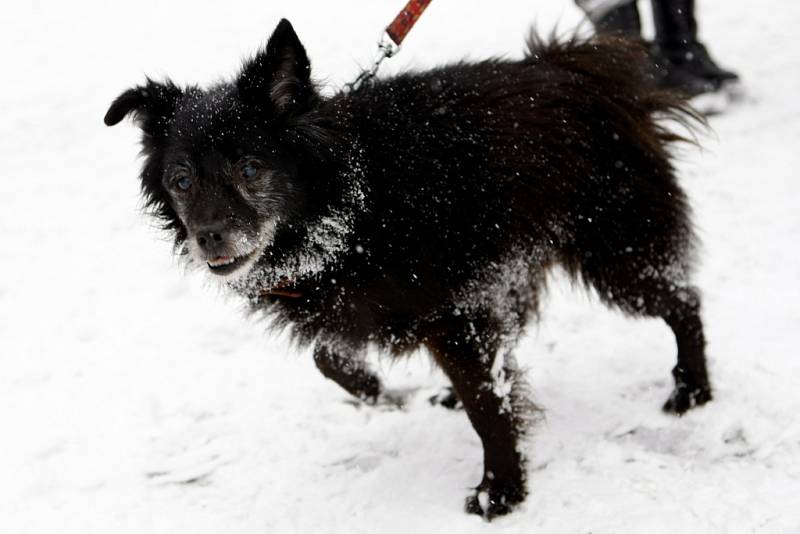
x,y
184,182
250,169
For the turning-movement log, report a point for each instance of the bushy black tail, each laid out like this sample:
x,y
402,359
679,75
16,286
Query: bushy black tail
x,y
612,75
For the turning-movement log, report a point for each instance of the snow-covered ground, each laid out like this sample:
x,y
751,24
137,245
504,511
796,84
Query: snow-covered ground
x,y
135,399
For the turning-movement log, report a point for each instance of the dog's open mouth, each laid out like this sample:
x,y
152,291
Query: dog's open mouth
x,y
227,264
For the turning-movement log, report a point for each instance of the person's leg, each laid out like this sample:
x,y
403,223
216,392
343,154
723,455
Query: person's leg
x,y
676,42
613,16
621,18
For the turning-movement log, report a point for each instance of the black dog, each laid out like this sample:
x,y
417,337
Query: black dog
x,y
426,209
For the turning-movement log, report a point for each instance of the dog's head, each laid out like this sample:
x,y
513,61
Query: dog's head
x,y
223,166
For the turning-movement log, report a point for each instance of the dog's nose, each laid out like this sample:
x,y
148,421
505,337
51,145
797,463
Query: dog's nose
x,y
210,236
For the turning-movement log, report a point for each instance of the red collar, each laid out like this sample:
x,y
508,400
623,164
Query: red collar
x,y
284,288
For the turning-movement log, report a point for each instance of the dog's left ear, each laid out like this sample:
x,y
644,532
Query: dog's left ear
x,y
152,105
278,78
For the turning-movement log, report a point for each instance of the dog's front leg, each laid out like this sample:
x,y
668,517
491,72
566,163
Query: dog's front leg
x,y
350,372
487,389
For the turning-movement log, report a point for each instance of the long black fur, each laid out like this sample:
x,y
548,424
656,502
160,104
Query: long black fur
x,y
425,210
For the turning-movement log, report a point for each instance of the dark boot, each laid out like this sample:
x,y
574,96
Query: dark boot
x,y
670,73
678,52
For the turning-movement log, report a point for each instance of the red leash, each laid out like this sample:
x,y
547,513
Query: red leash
x,y
406,19
396,33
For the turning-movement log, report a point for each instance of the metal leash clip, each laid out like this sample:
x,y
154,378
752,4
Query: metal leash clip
x,y
386,49
389,43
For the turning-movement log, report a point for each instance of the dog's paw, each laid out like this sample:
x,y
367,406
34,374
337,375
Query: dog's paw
x,y
386,399
446,398
394,399
683,398
490,502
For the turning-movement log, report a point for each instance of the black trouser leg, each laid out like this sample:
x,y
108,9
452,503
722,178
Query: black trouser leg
x,y
674,22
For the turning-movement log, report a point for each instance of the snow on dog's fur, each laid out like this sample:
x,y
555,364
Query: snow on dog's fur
x,y
425,210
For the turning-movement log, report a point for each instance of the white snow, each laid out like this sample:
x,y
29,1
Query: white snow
x,y
135,399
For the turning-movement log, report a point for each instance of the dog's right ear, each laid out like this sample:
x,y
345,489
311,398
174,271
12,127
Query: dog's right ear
x,y
153,106
277,80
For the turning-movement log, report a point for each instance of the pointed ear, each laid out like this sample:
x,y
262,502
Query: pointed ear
x,y
279,76
152,105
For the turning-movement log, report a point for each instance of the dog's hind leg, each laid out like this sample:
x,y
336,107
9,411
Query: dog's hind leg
x,y
678,304
635,245
692,387
351,373
467,352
